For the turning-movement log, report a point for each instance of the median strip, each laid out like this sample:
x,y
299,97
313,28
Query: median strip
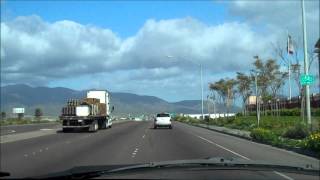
x,y
26,135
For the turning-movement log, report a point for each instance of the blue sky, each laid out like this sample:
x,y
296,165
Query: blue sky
x,y
123,17
122,45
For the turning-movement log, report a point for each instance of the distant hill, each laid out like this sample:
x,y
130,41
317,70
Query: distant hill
x,y
52,99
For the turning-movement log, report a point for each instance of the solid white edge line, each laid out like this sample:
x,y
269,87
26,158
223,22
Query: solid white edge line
x,y
282,175
223,147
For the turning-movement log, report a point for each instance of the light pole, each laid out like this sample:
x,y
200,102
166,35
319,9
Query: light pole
x,y
257,95
201,91
257,99
317,51
201,81
306,64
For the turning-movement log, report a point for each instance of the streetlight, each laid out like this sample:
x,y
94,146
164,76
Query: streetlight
x,y
257,95
201,81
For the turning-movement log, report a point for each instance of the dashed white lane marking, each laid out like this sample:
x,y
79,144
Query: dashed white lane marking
x,y
244,157
282,175
47,148
12,131
135,152
143,136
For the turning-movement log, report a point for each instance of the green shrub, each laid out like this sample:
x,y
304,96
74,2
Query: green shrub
x,y
299,131
315,112
312,142
262,135
290,112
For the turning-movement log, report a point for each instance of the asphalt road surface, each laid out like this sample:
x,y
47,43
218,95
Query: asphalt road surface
x,y
132,142
13,129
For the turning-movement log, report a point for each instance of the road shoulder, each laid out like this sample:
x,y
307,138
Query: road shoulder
x,y
246,135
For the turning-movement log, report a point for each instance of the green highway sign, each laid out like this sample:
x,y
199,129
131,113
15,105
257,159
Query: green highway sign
x,y
306,79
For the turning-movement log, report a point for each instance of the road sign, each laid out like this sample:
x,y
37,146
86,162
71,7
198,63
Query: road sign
x,y
18,110
306,79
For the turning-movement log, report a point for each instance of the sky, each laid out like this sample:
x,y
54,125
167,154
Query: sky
x,y
123,46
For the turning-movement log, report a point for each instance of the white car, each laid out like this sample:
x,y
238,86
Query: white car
x,y
162,120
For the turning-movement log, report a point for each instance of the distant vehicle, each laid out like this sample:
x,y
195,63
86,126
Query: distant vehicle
x,y
91,113
137,119
162,120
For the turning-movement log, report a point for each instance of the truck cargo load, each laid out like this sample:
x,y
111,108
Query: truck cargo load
x,y
91,113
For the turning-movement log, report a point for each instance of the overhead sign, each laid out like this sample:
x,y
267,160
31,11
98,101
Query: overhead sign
x,y
17,110
306,79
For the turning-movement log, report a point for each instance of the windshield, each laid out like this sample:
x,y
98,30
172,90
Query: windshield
x,y
163,115
120,83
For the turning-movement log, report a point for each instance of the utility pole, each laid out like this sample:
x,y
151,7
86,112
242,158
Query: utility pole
x,y
317,51
306,65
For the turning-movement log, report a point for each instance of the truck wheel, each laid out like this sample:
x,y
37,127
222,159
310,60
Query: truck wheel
x,y
105,125
94,127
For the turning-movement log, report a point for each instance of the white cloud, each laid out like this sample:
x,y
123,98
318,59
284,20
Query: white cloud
x,y
65,48
279,16
54,50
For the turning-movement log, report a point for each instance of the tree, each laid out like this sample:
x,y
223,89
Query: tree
x,y
261,71
275,86
38,113
243,84
225,88
3,115
269,77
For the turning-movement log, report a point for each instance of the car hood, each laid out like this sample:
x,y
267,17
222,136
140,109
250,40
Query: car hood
x,y
85,172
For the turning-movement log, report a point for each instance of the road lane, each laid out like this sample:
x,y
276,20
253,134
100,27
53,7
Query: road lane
x,y
66,150
131,142
174,144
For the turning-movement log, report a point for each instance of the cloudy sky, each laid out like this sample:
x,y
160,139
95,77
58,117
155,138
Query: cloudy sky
x,y
124,46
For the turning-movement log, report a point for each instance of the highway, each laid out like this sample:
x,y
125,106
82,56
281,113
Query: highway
x,y
132,142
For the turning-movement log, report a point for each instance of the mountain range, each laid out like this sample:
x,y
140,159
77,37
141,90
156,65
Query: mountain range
x,y
51,100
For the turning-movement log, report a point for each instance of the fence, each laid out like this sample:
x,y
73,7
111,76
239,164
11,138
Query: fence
x,y
295,102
